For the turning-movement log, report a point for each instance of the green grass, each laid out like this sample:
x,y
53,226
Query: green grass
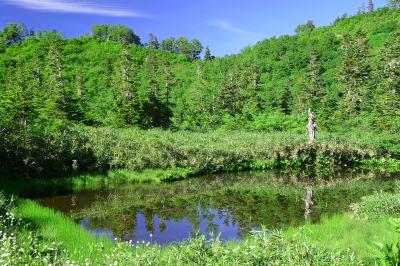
x,y
102,149
110,179
149,175
55,227
346,231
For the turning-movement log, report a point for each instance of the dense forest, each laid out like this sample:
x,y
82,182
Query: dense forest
x,y
347,72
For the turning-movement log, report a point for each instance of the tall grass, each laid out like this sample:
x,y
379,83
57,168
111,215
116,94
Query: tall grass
x,y
226,151
344,231
55,227
100,149
362,230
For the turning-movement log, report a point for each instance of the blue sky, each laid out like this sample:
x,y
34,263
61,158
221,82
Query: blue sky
x,y
225,25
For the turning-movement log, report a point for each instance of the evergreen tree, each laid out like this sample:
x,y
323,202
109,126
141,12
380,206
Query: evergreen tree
x,y
354,74
316,86
393,3
207,54
286,98
229,100
20,105
168,79
156,112
153,42
125,83
13,33
371,7
388,100
55,92
250,94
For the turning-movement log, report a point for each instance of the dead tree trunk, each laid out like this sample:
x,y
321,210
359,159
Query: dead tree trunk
x,y
311,126
308,203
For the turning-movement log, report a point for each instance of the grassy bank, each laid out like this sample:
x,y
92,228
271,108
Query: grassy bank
x,y
55,227
34,188
346,232
85,149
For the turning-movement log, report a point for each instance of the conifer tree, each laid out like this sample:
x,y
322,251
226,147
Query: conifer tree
x,y
153,42
388,100
127,107
168,79
371,7
393,3
316,86
20,98
354,74
207,55
229,97
55,92
249,95
155,110
286,99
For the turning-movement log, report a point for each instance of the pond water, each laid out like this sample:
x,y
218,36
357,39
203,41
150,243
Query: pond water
x,y
228,205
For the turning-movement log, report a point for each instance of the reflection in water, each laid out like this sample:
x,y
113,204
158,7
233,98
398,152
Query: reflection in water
x,y
163,231
227,205
308,203
160,231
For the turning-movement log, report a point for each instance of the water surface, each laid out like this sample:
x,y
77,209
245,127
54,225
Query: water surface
x,y
226,205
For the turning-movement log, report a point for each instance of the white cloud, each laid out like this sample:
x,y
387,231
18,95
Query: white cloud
x,y
62,6
225,25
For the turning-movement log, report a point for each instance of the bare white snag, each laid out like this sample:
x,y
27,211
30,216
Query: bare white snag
x,y
311,126
308,203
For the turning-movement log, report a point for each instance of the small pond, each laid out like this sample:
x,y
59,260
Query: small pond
x,y
228,205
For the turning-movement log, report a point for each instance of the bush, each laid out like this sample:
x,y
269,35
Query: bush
x,y
390,253
379,204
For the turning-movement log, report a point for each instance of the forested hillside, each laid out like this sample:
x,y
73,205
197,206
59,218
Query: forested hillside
x,y
348,73
55,92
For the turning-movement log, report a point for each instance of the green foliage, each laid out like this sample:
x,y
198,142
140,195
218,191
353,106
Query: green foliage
x,y
49,84
330,69
390,253
13,34
83,149
309,26
117,33
346,231
379,204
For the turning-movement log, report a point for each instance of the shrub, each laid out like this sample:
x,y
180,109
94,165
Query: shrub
x,y
379,204
390,253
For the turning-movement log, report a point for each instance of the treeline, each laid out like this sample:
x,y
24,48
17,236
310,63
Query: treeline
x,y
348,73
14,34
